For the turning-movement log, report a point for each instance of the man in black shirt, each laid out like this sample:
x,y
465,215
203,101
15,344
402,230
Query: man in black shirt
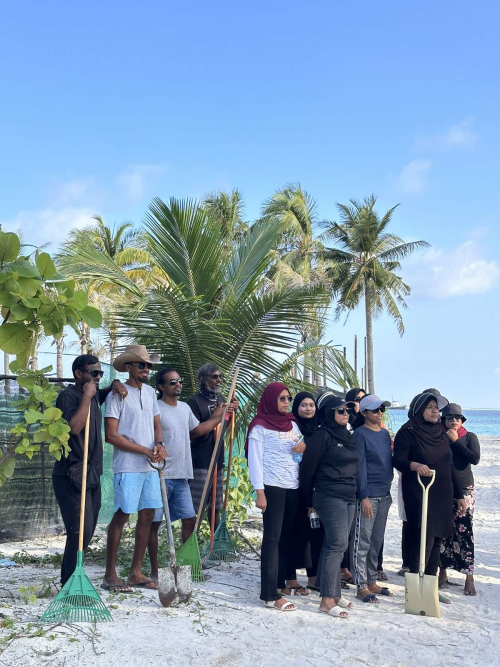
x,y
75,403
203,405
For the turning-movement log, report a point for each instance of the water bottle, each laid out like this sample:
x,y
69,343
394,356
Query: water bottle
x,y
314,519
297,456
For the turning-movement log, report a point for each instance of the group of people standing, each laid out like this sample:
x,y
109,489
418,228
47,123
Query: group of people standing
x,y
332,456
144,426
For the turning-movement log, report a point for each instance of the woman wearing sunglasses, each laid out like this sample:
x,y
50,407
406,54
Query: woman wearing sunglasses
x,y
420,446
457,551
328,474
355,395
374,497
273,437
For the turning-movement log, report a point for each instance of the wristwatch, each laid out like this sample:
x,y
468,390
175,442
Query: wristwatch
x,y
160,442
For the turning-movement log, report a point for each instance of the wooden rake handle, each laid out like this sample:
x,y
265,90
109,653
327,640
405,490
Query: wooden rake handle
x,y
229,457
84,479
215,452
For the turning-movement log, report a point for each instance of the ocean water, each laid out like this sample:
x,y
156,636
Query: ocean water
x,y
480,422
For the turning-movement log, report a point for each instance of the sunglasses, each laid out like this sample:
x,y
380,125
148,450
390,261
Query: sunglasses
x,y
217,376
454,417
342,411
95,374
141,365
381,408
178,380
284,399
358,398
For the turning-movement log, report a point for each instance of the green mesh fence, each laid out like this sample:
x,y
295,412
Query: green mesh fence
x,y
28,508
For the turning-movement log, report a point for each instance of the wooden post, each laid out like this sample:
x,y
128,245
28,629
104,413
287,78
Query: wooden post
x,y
324,368
356,356
366,369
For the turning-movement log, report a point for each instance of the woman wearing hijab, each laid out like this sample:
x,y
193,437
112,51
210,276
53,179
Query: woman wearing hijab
x,y
273,437
354,396
328,475
305,543
457,551
421,445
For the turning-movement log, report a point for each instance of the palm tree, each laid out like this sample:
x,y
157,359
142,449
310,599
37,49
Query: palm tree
x,y
299,253
209,304
227,209
363,266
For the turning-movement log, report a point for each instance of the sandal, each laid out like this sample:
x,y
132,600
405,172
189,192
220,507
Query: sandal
x,y
344,585
348,580
344,604
470,589
296,590
370,598
288,606
383,591
148,585
116,588
335,611
444,600
403,571
382,576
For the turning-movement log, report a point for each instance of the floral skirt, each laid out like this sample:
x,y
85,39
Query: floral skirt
x,y
457,551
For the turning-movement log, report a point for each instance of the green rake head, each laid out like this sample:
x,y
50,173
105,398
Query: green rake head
x,y
223,547
77,601
189,554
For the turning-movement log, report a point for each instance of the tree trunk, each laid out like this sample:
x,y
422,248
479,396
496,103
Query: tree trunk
x,y
34,358
6,371
369,346
59,357
84,338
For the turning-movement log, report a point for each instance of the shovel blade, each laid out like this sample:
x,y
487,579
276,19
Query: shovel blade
x,y
167,590
422,596
184,583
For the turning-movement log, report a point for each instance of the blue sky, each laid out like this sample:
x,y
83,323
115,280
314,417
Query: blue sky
x,y
105,105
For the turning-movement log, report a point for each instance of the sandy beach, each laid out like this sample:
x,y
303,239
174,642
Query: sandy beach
x,y
226,624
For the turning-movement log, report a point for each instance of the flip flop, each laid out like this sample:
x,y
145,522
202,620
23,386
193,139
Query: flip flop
x,y
296,590
288,606
119,588
470,590
344,604
403,571
314,588
370,598
349,580
343,585
148,585
444,600
383,591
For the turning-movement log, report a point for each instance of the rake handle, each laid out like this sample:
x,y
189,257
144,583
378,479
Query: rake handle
x,y
214,499
215,452
84,479
229,457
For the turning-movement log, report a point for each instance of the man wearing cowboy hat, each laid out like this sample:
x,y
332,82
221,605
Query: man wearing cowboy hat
x,y
133,427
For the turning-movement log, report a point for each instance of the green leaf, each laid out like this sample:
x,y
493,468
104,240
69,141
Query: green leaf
x,y
79,300
19,311
92,317
23,268
31,302
32,416
15,338
52,415
10,247
41,436
7,467
46,266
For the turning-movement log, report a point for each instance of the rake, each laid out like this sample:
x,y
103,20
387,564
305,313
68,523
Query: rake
x,y
208,556
189,553
222,545
78,600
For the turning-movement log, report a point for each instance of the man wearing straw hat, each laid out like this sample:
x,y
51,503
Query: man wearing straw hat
x,y
133,427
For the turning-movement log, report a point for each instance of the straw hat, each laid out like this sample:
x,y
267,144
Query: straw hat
x,y
134,353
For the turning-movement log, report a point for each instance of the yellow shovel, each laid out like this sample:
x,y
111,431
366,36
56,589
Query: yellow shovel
x,y
422,596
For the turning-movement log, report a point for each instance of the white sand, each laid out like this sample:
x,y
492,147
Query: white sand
x,y
226,624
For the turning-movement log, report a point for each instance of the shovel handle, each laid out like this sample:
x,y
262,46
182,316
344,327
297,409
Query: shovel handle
x,y
423,528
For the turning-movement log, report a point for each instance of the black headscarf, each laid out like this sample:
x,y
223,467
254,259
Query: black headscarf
x,y
356,419
431,439
307,426
352,394
333,428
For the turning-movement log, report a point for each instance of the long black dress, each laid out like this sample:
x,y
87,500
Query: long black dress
x,y
441,494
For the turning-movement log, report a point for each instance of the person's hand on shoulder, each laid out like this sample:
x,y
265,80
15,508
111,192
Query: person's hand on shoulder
x,y
119,389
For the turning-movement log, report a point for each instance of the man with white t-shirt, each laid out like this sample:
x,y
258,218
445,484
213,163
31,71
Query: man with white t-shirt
x,y
179,427
133,427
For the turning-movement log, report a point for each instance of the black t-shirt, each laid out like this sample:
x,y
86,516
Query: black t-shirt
x,y
69,401
202,448
466,451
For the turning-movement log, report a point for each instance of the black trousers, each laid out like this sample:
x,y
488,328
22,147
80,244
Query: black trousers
x,y
68,499
278,520
432,549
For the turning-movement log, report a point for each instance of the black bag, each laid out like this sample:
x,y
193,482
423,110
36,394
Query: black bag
x,y
75,474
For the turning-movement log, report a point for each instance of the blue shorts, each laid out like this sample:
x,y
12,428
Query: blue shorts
x,y
136,491
180,503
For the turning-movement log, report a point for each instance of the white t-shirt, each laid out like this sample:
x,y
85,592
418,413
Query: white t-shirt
x,y
177,422
135,416
270,459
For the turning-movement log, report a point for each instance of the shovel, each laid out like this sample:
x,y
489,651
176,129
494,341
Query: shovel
x,y
422,596
174,582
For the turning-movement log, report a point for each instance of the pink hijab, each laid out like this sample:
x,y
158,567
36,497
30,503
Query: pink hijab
x,y
268,414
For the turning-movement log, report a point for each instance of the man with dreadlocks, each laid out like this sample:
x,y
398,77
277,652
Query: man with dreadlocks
x,y
203,405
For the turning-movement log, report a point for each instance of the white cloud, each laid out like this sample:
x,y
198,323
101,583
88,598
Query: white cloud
x,y
48,225
460,135
441,273
136,179
412,179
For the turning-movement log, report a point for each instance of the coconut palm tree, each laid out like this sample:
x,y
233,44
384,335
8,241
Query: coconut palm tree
x,y
227,209
363,266
209,304
299,254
